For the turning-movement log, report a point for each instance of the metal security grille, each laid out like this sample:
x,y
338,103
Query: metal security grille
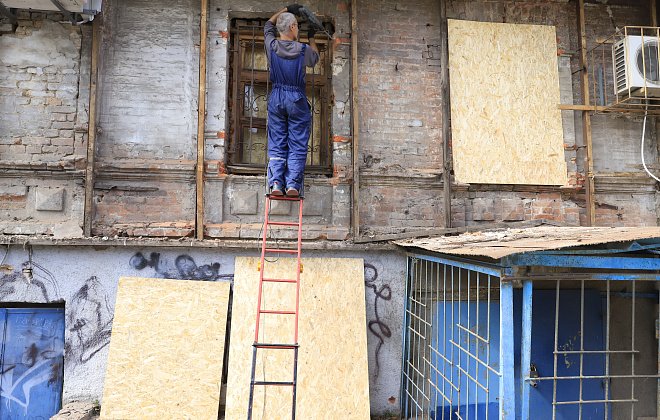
x,y
481,343
602,367
249,90
451,341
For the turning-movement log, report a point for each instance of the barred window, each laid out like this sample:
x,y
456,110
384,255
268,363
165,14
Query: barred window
x,y
248,99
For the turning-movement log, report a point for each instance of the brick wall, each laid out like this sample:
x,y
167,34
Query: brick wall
x,y
400,145
400,127
42,123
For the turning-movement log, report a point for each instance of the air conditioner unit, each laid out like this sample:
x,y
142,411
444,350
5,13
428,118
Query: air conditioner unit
x,y
636,66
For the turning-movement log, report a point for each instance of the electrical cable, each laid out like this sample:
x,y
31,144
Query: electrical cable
x,y
643,135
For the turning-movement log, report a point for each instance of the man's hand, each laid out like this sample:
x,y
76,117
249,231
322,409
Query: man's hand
x,y
311,32
293,8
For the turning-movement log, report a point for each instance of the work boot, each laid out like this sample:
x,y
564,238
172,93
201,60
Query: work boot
x,y
292,192
276,190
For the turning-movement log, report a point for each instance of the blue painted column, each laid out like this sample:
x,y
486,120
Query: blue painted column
x,y
526,349
507,382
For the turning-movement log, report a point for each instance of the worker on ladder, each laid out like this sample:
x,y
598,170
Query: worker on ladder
x,y
289,117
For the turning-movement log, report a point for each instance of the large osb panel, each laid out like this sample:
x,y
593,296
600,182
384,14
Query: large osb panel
x,y
506,128
166,350
333,378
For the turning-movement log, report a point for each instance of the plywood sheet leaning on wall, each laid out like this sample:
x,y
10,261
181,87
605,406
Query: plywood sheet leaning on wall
x,y
166,350
506,128
333,377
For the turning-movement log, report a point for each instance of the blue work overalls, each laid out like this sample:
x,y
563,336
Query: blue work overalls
x,y
289,121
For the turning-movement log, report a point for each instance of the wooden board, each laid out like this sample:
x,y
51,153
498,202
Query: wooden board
x,y
333,377
506,128
166,350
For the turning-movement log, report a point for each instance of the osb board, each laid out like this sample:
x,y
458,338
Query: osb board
x,y
333,378
166,350
506,128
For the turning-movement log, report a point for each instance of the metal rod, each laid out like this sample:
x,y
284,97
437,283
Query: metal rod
x,y
581,343
554,382
507,381
632,358
607,349
526,348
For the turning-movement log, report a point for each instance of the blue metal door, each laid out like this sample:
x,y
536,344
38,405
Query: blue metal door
x,y
31,363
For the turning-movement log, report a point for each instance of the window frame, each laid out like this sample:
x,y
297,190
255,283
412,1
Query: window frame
x,y
250,34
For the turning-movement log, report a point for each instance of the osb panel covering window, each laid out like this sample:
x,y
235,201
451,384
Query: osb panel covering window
x,y
506,128
333,376
166,350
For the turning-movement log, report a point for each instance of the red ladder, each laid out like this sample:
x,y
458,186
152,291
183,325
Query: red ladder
x,y
277,346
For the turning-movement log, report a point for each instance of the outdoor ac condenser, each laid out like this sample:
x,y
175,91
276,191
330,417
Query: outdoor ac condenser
x,y
636,66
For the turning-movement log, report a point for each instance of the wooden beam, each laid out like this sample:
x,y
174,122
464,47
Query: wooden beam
x,y
201,120
446,113
586,119
653,11
91,133
567,107
354,120
458,230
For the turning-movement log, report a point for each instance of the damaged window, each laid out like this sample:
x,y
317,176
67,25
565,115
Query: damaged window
x,y
248,98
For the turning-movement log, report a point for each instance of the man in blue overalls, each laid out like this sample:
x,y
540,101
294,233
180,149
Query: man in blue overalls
x,y
289,117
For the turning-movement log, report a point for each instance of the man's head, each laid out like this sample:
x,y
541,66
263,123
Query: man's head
x,y
287,25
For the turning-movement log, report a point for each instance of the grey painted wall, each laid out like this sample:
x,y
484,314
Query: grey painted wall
x,y
85,280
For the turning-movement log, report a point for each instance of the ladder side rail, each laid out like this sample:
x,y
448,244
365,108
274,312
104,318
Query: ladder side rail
x,y
300,212
262,268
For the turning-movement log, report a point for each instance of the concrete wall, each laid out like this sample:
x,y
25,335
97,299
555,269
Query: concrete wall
x,y
85,279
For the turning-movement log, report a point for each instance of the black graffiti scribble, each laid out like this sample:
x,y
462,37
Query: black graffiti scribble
x,y
185,267
89,323
377,326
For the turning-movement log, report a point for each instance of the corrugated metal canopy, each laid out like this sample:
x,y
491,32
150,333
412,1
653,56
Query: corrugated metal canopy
x,y
501,243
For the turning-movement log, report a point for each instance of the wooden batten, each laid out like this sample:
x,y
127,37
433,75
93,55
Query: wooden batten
x,y
201,121
354,120
586,119
91,133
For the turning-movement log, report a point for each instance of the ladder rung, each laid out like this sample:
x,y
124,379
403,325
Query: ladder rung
x,y
280,280
275,346
283,223
274,383
284,251
277,312
283,197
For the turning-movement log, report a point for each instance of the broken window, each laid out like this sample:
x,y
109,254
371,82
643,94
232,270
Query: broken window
x,y
248,98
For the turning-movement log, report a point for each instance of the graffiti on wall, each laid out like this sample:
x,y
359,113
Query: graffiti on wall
x,y
89,323
381,293
183,268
